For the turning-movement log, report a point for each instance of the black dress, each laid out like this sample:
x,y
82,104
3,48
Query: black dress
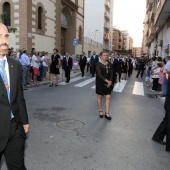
x,y
54,69
103,72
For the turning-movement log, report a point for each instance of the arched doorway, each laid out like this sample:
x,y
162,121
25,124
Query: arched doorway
x,y
64,27
68,31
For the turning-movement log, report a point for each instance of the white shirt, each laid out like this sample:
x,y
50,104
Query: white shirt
x,y
34,59
7,71
156,72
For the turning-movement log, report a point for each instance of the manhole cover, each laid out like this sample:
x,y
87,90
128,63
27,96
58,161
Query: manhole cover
x,y
152,96
70,124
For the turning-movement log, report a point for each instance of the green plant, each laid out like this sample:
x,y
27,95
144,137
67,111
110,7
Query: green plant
x,y
2,19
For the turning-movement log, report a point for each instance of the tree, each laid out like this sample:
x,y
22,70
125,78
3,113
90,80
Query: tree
x,y
2,18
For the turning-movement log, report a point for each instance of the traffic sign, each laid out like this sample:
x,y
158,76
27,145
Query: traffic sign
x,y
75,42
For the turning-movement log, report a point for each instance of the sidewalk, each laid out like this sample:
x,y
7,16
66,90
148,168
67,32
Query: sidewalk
x,y
61,79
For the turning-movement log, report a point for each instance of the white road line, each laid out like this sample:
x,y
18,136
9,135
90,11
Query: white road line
x,y
85,82
138,89
71,80
120,86
93,87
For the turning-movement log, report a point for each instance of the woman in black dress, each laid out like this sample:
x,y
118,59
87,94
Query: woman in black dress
x,y
104,87
54,67
125,67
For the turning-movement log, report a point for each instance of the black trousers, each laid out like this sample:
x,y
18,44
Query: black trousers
x,y
93,70
14,151
88,66
155,84
140,71
120,75
67,74
164,130
82,67
130,72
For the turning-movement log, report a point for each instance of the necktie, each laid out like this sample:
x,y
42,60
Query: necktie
x,y
5,80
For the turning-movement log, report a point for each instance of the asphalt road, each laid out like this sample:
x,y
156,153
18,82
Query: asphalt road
x,y
91,143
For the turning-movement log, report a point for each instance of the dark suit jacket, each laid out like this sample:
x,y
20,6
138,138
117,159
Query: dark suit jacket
x,y
167,99
70,63
83,61
17,103
114,65
119,65
94,61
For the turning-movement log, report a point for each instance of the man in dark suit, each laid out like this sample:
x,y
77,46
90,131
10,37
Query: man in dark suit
x,y
119,66
141,68
93,61
164,128
82,63
130,63
67,66
13,112
114,63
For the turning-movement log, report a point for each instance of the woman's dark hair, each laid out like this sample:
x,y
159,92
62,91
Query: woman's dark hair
x,y
164,61
159,65
149,68
55,50
101,53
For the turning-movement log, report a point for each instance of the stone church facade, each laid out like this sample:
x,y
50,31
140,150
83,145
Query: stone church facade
x,y
45,24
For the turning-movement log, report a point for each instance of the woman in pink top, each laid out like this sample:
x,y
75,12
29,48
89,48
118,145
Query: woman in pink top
x,y
161,74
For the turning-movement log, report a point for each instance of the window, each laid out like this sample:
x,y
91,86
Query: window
x,y
7,11
40,18
80,34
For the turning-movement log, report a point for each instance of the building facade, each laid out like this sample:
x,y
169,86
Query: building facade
x,y
122,42
98,23
156,34
45,24
137,51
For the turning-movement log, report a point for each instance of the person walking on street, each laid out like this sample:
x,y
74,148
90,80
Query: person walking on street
x,y
104,87
13,112
54,67
83,62
164,128
125,68
119,67
93,61
114,63
130,64
88,64
141,68
67,66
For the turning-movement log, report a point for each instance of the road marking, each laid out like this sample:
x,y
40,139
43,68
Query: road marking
x,y
120,86
85,82
72,80
93,87
138,89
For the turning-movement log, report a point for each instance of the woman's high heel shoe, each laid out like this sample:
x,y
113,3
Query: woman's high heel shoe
x,y
107,116
51,85
101,116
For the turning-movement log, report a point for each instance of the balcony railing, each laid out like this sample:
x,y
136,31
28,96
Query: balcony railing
x,y
106,25
107,15
152,31
106,36
162,12
107,4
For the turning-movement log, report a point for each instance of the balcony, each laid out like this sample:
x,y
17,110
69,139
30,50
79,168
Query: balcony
x,y
107,15
162,12
152,32
107,4
148,42
106,36
149,7
107,26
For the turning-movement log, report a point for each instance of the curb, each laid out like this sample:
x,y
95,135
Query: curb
x,y
46,82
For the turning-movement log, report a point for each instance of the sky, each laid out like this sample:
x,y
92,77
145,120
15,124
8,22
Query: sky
x,y
129,15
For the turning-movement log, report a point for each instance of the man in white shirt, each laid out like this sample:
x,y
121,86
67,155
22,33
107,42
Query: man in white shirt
x,y
35,62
